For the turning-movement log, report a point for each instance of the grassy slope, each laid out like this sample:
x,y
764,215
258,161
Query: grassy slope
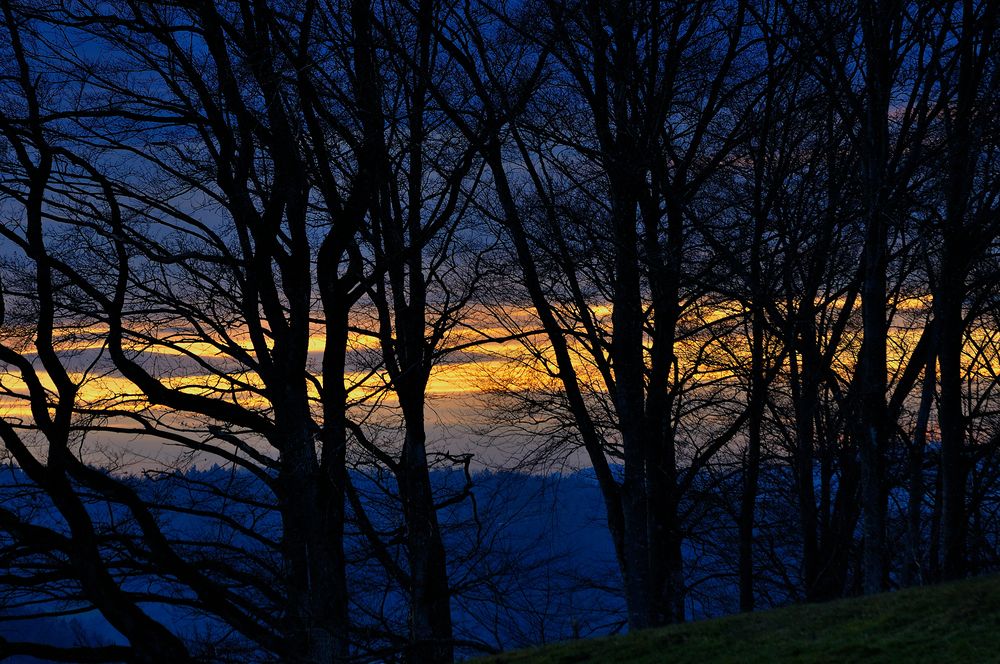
x,y
953,623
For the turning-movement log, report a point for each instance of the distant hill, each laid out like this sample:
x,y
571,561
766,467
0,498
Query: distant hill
x,y
951,623
535,558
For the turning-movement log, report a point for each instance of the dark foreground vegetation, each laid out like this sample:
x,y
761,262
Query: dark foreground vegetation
x,y
737,260
952,623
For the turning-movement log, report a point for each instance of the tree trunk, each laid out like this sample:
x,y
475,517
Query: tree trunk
x,y
758,402
316,613
913,572
948,304
949,327
629,368
876,20
430,602
806,398
751,471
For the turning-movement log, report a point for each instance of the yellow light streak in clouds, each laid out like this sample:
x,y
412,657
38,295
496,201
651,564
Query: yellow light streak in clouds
x,y
712,356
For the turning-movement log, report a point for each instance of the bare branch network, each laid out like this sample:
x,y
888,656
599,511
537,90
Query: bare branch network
x,y
358,330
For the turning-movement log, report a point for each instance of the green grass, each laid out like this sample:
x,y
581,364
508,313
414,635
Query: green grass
x,y
952,623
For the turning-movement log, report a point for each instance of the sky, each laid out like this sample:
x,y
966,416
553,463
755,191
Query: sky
x,y
468,406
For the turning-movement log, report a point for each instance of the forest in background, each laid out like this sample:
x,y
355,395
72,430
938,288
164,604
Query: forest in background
x,y
739,260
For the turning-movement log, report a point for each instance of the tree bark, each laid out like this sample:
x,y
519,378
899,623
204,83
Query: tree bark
x,y
877,19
